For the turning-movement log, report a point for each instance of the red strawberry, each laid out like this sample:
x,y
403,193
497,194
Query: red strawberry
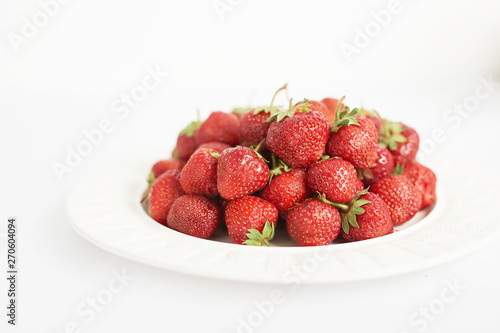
x,y
186,142
247,213
240,171
163,165
298,138
401,196
425,179
287,189
313,223
199,176
194,215
402,141
331,105
384,167
254,126
162,194
219,126
217,146
374,220
254,123
355,142
336,179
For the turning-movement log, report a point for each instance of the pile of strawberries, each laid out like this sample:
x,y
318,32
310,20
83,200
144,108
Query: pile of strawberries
x,y
321,168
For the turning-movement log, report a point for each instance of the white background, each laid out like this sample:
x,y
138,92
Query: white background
x,y
66,78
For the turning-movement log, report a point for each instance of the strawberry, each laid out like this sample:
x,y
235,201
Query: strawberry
x,y
425,179
401,196
313,223
219,126
355,143
384,167
402,141
371,221
186,142
253,127
217,146
199,175
336,179
298,138
254,124
163,165
287,189
354,140
162,194
331,105
194,215
246,219
240,172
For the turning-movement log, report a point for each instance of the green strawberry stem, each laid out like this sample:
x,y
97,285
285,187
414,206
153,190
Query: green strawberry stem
x,y
285,87
349,210
277,167
344,117
259,146
271,108
257,238
337,109
341,207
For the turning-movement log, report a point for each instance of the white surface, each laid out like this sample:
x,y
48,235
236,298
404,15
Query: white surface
x,y
66,79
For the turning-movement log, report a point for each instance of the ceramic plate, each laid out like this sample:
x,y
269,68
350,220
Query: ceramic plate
x,y
105,209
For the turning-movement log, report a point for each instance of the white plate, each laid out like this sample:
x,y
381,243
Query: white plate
x,y
105,209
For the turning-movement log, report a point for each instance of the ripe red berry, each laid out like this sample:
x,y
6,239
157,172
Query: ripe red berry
x,y
219,126
253,127
401,196
335,178
375,221
240,172
313,223
186,142
248,213
163,165
194,215
299,140
162,194
384,167
287,189
355,143
425,179
199,176
402,141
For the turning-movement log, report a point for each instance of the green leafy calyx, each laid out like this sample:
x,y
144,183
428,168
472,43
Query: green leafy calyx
x,y
345,117
390,134
398,169
191,129
278,166
257,238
